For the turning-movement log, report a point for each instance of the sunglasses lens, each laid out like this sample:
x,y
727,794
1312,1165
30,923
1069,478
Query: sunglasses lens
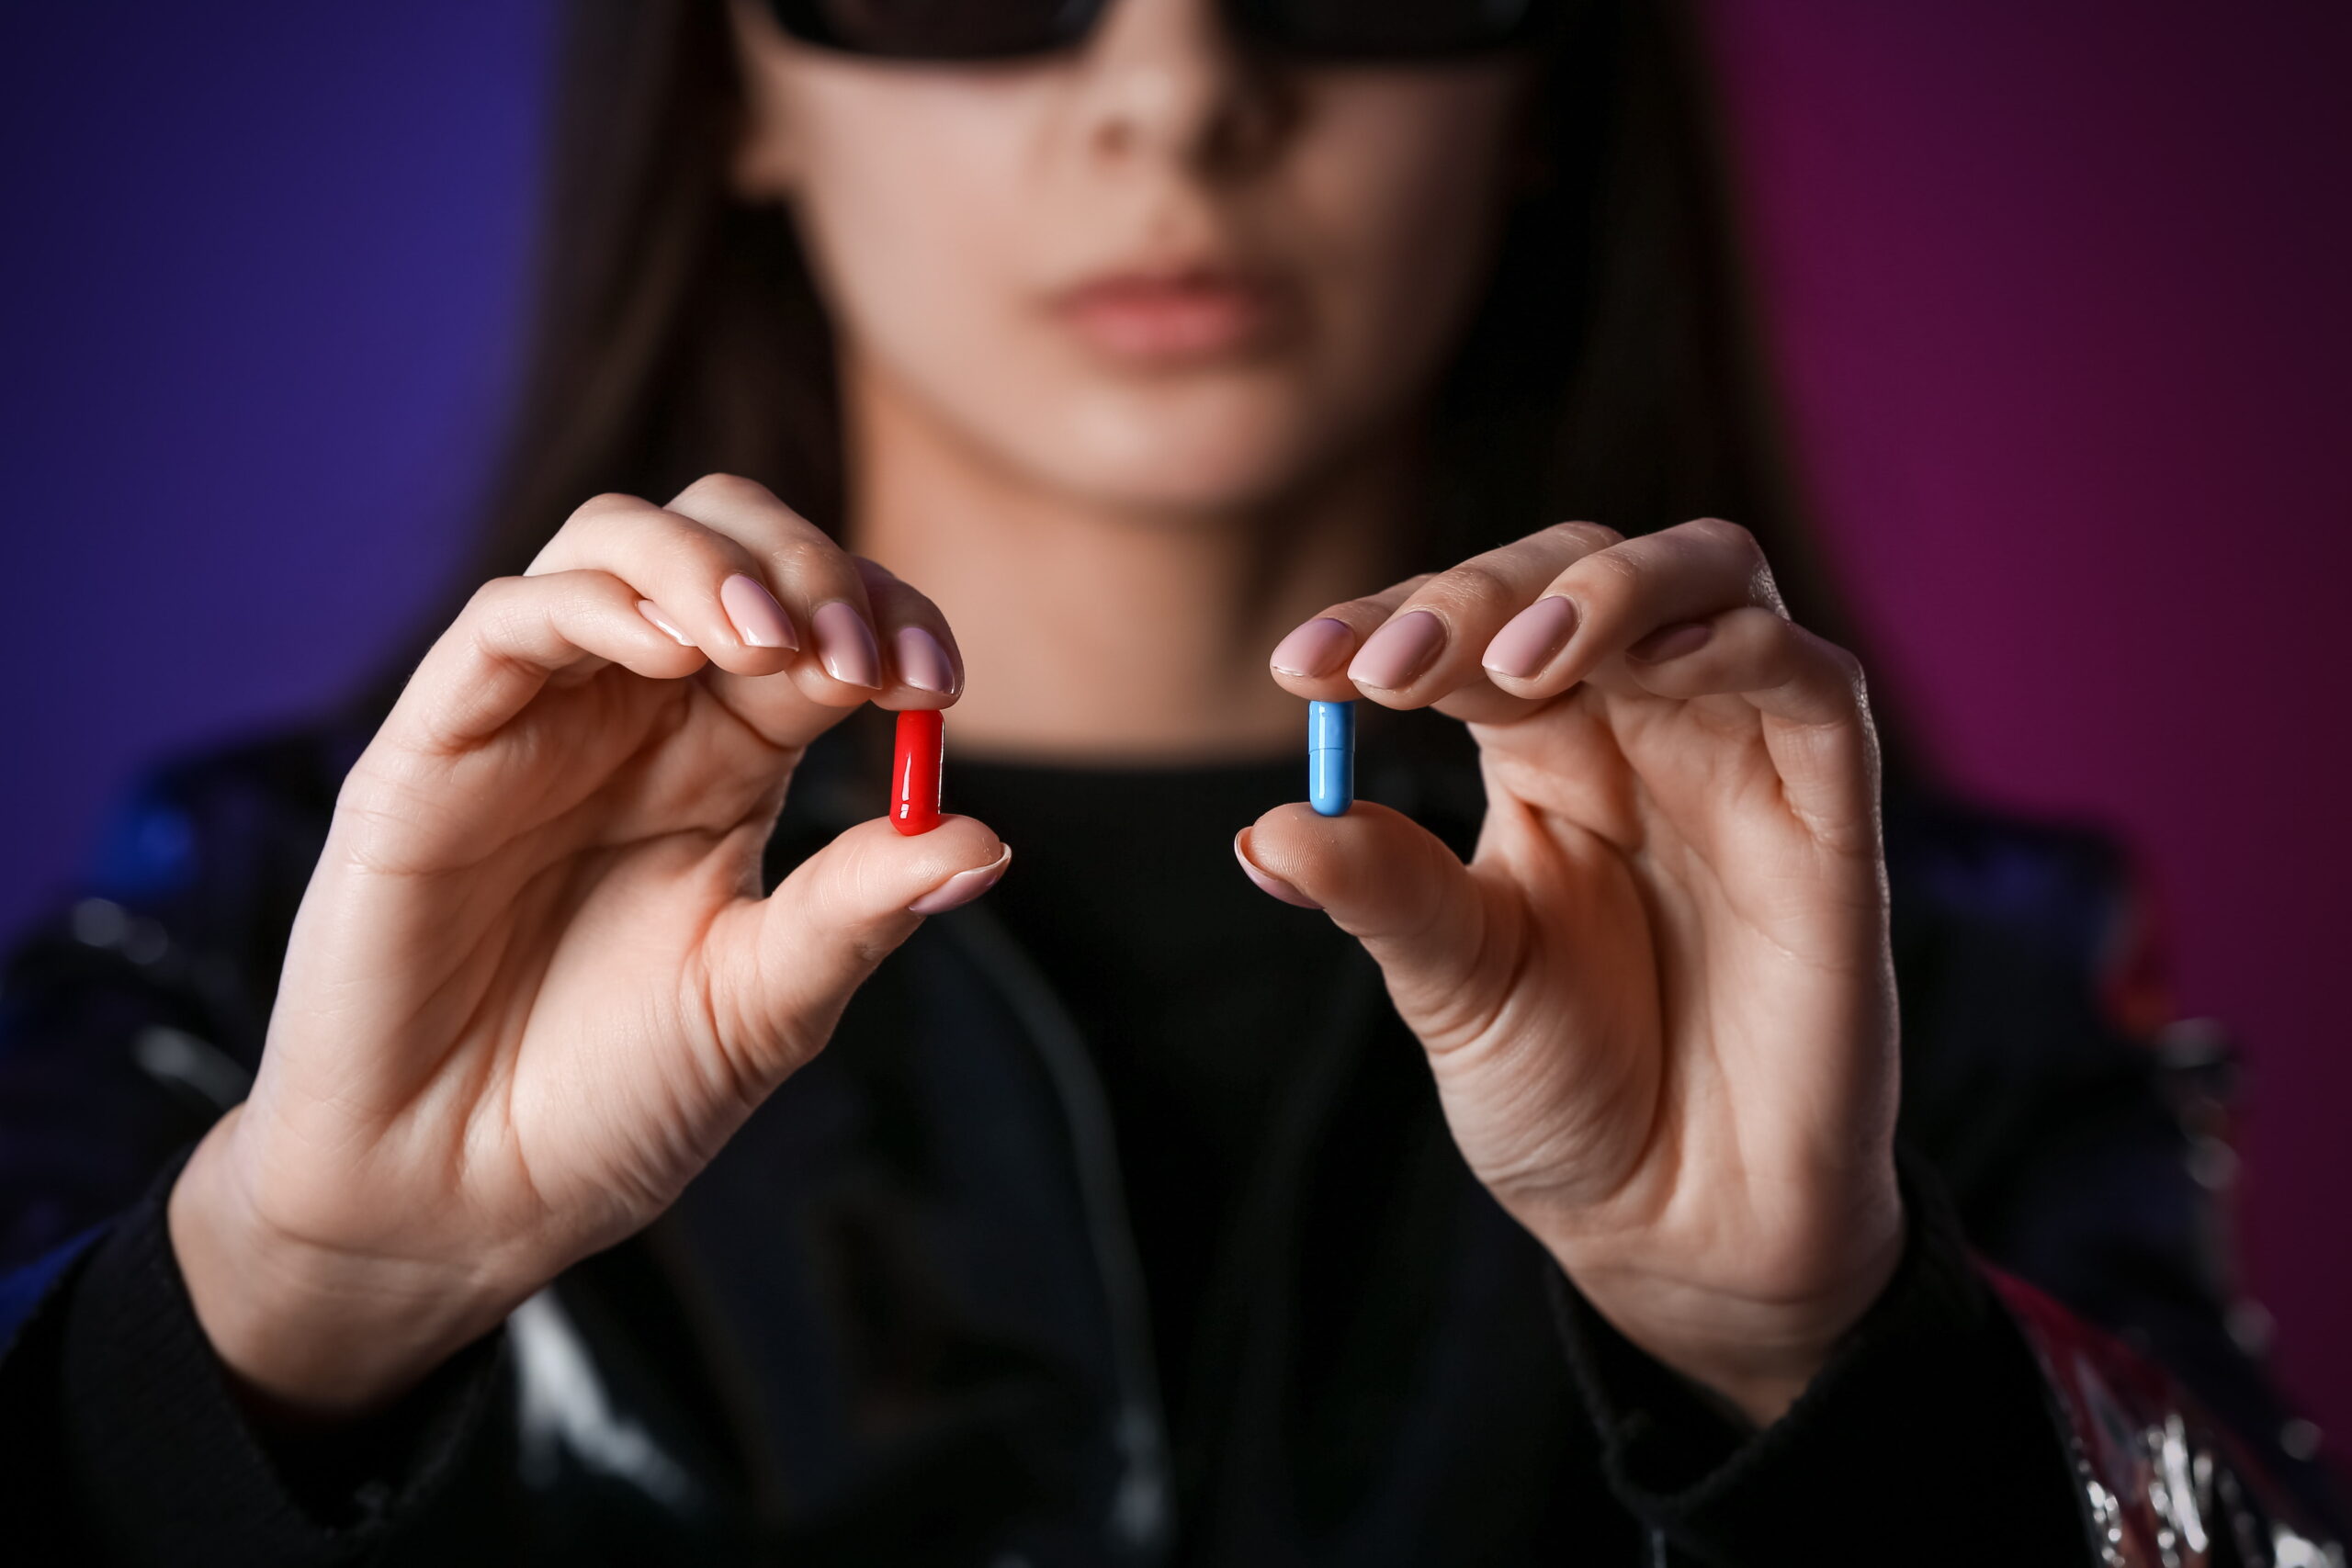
x,y
1378,29
987,30
945,29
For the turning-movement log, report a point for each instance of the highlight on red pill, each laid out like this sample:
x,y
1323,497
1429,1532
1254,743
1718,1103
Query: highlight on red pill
x,y
914,772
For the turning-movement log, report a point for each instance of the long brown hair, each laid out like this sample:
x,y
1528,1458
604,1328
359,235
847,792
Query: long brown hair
x,y
1608,373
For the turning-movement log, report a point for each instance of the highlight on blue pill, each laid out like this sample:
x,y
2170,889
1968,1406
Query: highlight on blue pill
x,y
1331,757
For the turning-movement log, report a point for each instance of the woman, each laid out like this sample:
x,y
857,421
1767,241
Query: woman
x,y
1506,1211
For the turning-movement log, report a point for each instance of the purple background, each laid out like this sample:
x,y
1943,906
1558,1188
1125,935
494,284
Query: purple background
x,y
2059,293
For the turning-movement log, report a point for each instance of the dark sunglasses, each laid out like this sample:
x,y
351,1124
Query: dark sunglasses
x,y
1311,29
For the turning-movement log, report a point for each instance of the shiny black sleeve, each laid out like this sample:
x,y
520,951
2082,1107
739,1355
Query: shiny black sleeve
x,y
129,1022
132,1018
1968,1418
1929,1438
129,1445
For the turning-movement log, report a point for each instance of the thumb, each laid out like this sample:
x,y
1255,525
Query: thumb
x,y
782,968
1395,887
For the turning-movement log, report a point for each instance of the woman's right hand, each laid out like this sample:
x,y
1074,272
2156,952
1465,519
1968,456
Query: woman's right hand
x,y
533,986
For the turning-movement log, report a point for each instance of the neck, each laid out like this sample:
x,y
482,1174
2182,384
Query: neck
x,y
1096,632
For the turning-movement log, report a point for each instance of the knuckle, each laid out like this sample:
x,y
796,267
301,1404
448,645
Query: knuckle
x,y
1597,535
606,504
1609,574
673,553
713,553
493,598
640,537
807,558
1724,532
728,489
1777,657
1826,660
1743,544
1474,582
1373,608
880,581
900,603
1366,613
500,626
591,522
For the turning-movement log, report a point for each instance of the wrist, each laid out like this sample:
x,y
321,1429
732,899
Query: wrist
x,y
1751,1342
305,1329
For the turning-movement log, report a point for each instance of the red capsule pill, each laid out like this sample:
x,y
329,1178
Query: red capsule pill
x,y
914,773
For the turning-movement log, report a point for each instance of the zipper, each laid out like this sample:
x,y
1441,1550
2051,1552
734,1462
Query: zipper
x,y
1142,1518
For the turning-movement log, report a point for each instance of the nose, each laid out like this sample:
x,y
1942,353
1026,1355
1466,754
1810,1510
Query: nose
x,y
1166,79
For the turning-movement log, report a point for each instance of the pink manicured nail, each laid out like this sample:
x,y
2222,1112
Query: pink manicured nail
x,y
1397,652
1313,648
1671,642
961,887
1268,882
1529,638
922,664
845,646
652,611
759,620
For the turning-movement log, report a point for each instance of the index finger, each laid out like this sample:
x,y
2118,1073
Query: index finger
x,y
871,637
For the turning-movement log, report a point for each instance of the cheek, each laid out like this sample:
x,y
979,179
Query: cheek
x,y
1400,183
909,204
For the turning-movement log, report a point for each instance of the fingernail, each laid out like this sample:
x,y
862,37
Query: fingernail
x,y
1268,882
1313,648
759,620
961,887
845,646
1529,638
1398,650
1671,642
922,664
652,611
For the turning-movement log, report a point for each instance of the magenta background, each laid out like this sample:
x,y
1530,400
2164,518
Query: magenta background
x,y
2061,297
2060,294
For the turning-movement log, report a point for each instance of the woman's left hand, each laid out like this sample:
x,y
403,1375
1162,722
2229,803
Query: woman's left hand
x,y
1659,1000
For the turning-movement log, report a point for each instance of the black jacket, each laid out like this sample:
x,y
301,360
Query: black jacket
x,y
900,1319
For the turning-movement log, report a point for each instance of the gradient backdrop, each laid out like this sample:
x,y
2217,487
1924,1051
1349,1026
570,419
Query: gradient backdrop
x,y
2059,293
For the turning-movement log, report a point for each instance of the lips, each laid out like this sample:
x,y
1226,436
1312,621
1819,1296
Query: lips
x,y
1188,317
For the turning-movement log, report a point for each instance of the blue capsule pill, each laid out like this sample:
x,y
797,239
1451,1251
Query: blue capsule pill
x,y
1331,757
